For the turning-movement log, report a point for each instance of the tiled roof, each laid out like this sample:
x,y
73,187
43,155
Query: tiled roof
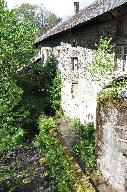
x,y
95,9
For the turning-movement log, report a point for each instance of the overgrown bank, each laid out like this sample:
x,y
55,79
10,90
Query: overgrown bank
x,y
85,149
58,161
24,95
28,91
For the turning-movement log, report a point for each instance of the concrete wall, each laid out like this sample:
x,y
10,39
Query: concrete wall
x,y
112,142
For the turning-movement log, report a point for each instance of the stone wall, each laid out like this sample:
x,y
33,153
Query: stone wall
x,y
112,142
73,51
78,90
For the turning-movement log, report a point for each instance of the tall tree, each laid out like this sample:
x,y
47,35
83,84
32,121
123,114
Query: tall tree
x,y
28,12
16,41
51,20
16,51
39,16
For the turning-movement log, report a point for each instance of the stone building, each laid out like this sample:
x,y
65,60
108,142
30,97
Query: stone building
x,y
72,43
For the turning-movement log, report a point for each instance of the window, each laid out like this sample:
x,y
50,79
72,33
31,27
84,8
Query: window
x,y
74,90
74,43
47,52
121,57
74,63
39,50
58,53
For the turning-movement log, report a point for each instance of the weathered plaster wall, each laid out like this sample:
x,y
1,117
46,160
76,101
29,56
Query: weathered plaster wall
x,y
112,142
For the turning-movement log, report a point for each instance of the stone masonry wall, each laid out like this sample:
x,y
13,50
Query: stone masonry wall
x,y
82,103
112,142
78,91
73,51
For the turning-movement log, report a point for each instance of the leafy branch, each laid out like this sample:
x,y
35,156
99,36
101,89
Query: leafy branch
x,y
103,60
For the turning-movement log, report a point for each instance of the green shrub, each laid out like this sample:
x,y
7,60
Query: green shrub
x,y
56,158
55,92
111,90
103,59
41,85
12,115
86,147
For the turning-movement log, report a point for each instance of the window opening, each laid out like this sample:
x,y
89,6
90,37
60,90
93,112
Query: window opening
x,y
74,63
74,43
74,90
121,57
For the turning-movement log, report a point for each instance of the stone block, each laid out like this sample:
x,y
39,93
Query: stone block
x,y
122,144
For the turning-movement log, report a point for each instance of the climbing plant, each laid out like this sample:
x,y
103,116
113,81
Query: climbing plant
x,y
114,90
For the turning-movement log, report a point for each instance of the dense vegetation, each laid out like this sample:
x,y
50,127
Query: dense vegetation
x,y
42,88
29,90
41,18
85,149
57,160
16,45
25,90
22,82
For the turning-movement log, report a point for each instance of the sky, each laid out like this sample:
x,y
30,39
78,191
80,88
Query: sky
x,y
62,8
